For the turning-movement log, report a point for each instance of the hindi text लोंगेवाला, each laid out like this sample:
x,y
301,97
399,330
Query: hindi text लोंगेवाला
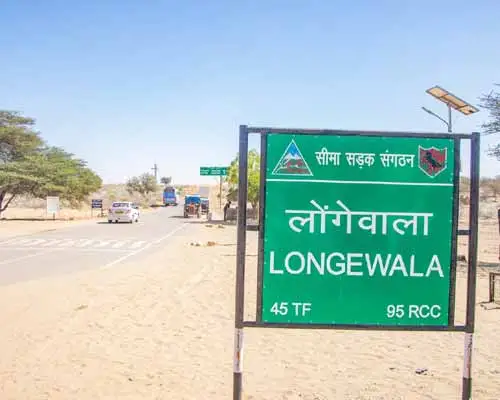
x,y
401,221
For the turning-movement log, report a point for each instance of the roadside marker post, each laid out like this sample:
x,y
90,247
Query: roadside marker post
x,y
332,257
96,204
53,206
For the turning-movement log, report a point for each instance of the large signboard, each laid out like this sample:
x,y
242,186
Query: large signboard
x,y
358,230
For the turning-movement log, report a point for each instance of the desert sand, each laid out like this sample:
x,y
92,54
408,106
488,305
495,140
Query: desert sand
x,y
163,328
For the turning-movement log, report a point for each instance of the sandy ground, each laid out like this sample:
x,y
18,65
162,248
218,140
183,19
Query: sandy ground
x,y
163,329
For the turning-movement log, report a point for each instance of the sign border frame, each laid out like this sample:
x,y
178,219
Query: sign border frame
x,y
245,131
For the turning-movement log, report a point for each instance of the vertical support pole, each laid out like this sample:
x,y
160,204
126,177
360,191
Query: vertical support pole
x,y
220,192
498,216
471,273
492,287
240,264
449,119
454,236
262,205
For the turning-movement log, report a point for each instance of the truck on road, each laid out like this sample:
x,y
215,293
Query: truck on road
x,y
170,196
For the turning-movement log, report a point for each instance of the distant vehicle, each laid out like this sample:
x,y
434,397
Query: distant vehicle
x,y
170,196
192,205
123,211
205,205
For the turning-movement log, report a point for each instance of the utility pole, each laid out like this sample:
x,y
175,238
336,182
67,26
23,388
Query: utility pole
x,y
155,169
447,123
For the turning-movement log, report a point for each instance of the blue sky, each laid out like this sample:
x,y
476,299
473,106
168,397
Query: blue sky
x,y
126,83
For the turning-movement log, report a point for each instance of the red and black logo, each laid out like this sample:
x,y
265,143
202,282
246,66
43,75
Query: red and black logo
x,y
432,161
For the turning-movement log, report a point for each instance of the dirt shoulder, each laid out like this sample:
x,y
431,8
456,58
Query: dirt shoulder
x,y
163,329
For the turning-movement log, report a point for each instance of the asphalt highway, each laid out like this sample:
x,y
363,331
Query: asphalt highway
x,y
89,245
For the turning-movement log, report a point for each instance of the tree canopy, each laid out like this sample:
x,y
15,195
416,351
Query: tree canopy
x,y
253,178
491,102
142,184
30,167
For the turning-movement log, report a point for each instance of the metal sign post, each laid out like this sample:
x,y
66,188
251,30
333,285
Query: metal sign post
x,y
333,257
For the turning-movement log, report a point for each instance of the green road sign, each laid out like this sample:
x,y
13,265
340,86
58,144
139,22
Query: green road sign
x,y
213,171
358,230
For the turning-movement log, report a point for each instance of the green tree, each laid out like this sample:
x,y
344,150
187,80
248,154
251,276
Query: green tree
x,y
253,178
29,167
19,145
491,102
65,176
143,184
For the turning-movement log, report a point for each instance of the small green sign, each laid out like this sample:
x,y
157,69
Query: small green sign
x,y
213,171
357,230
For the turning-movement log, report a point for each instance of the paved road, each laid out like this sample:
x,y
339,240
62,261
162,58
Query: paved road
x,y
90,245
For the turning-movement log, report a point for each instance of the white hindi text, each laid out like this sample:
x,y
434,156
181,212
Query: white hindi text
x,y
324,157
373,221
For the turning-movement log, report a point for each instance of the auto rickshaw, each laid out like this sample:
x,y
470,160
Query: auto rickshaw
x,y
192,206
205,205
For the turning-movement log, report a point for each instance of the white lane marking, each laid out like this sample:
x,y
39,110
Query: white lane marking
x,y
66,243
17,241
12,260
50,242
84,243
137,244
98,244
62,249
133,253
7,241
103,243
37,242
119,243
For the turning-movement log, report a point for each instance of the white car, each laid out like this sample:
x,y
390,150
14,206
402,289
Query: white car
x,y
123,211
